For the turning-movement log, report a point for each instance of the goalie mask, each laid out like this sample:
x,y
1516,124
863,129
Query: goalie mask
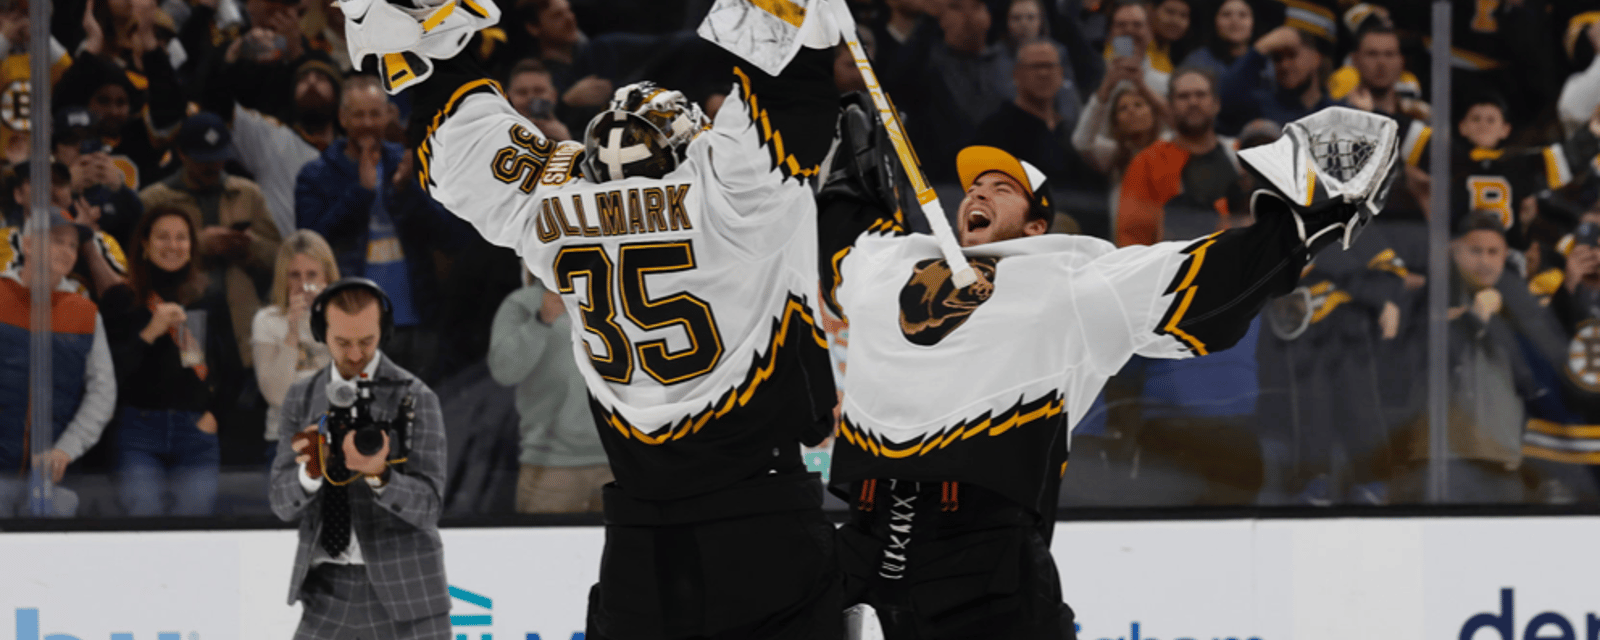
x,y
1331,170
645,133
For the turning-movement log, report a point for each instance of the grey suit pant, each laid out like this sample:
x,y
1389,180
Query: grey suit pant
x,y
340,604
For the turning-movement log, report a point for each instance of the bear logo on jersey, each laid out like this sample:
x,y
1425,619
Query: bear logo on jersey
x,y
931,306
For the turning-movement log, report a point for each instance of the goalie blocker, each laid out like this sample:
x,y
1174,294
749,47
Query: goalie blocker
x,y
959,404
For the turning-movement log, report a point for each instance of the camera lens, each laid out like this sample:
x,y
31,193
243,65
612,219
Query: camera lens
x,y
369,440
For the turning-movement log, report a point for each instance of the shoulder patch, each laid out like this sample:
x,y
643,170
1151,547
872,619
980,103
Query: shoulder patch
x,y
930,304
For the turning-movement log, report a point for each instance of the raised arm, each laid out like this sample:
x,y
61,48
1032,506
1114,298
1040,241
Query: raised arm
x,y
476,155
1178,299
860,195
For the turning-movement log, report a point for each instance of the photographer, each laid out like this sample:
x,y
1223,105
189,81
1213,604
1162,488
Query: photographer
x,y
365,481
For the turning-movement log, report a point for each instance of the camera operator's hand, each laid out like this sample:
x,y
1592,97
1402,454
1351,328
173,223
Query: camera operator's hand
x,y
307,452
373,465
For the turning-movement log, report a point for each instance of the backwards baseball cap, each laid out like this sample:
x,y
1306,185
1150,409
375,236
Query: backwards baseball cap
x,y
72,121
204,137
977,160
55,219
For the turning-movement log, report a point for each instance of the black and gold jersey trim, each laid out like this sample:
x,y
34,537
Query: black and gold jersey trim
x,y
1557,442
891,226
453,104
771,138
1020,415
1388,261
796,324
1185,287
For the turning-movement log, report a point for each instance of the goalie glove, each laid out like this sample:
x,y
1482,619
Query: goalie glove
x,y
405,36
1331,170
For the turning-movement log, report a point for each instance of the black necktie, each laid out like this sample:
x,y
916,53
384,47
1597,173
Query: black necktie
x,y
335,507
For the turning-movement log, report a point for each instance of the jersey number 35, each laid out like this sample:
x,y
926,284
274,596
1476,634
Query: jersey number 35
x,y
599,310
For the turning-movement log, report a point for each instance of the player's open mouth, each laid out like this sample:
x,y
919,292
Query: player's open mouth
x,y
977,220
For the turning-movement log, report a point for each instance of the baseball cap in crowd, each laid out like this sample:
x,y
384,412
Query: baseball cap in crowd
x,y
315,63
977,160
56,219
204,137
72,125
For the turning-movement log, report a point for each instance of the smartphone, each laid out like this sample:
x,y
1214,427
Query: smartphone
x,y
1122,46
93,145
240,226
263,52
541,109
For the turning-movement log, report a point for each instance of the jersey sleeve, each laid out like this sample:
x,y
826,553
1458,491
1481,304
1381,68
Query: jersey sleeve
x,y
1571,158
1414,144
861,196
772,132
476,155
1181,299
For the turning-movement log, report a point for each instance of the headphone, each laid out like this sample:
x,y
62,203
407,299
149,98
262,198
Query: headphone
x,y
319,308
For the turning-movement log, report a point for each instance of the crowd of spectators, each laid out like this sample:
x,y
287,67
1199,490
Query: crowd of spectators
x,y
220,161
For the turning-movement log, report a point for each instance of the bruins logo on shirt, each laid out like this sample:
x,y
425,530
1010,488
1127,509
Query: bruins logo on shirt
x,y
1583,356
930,304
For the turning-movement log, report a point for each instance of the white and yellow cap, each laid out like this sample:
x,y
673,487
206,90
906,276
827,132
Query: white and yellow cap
x,y
977,160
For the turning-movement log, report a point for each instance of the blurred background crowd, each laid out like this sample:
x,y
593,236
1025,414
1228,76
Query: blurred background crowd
x,y
215,163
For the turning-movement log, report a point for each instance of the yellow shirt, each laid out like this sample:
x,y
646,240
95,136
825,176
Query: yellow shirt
x,y
15,92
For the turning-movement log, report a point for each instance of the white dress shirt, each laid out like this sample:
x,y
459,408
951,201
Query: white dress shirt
x,y
352,553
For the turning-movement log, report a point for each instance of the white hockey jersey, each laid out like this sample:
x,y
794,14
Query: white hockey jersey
x,y
691,296
984,385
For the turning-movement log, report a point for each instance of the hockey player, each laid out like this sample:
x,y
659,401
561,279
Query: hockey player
x,y
685,252
959,403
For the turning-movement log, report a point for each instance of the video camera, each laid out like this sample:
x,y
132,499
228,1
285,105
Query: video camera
x,y
350,411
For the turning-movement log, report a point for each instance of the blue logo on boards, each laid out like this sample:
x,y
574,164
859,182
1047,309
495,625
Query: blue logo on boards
x,y
484,619
1547,625
1134,634
28,629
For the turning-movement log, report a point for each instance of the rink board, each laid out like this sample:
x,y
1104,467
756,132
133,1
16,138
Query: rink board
x,y
1447,578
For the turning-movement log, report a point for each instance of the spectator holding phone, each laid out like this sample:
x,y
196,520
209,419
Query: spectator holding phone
x,y
94,173
1578,299
1128,47
285,351
100,263
533,93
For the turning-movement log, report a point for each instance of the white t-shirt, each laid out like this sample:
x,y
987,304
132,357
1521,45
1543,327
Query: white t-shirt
x,y
278,365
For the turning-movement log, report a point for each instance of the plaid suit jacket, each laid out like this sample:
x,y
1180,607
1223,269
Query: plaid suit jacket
x,y
399,530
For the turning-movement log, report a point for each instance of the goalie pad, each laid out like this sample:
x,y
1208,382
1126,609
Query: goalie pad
x,y
1332,170
404,40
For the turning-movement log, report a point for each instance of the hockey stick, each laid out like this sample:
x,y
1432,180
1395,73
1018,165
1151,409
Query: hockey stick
x,y
961,273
